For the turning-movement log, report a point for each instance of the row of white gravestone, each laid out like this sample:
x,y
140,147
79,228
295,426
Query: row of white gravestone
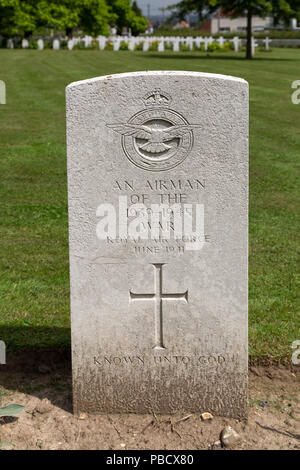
x,y
174,42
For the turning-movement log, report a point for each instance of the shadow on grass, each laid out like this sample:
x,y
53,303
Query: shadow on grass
x,y
18,338
40,370
216,57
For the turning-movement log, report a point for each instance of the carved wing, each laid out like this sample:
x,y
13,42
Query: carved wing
x,y
177,131
141,132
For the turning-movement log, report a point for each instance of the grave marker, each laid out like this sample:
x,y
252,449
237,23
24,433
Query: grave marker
x,y
56,44
157,185
40,44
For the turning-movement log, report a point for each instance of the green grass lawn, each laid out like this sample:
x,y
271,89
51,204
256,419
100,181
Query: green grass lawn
x,y
34,277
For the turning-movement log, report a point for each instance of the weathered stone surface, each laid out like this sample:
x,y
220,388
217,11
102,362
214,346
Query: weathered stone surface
x,y
158,324
44,406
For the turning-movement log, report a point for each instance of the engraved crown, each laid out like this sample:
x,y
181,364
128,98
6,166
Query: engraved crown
x,y
157,98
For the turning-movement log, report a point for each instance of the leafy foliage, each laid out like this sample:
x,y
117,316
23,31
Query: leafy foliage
x,y
136,9
15,17
125,17
23,17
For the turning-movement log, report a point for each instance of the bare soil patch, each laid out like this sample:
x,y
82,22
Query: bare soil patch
x,y
42,382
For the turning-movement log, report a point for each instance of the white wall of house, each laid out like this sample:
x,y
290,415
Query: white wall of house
x,y
227,24
295,24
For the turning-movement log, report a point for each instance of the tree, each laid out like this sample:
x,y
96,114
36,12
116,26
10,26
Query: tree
x,y
280,9
136,9
201,7
284,11
94,17
25,16
16,17
124,16
90,15
59,15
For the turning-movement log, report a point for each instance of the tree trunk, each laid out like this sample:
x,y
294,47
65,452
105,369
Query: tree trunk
x,y
249,34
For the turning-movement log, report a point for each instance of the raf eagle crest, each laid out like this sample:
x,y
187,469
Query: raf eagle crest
x,y
156,138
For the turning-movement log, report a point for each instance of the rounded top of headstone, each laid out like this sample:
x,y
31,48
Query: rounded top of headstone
x,y
157,73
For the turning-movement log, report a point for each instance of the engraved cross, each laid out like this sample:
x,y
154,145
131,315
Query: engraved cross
x,y
158,298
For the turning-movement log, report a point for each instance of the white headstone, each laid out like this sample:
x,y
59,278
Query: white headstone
x,y
190,43
25,43
267,42
176,45
221,41
116,44
161,46
10,44
40,44
157,187
236,42
70,44
131,45
102,42
56,44
2,92
198,41
87,41
254,45
206,43
145,45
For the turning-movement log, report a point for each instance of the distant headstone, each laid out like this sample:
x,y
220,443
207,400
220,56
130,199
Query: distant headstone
x,y
161,46
25,43
236,43
221,41
56,44
102,42
267,42
2,92
70,44
87,41
157,184
176,45
190,43
131,44
254,45
116,45
40,44
10,44
145,45
198,41
206,43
